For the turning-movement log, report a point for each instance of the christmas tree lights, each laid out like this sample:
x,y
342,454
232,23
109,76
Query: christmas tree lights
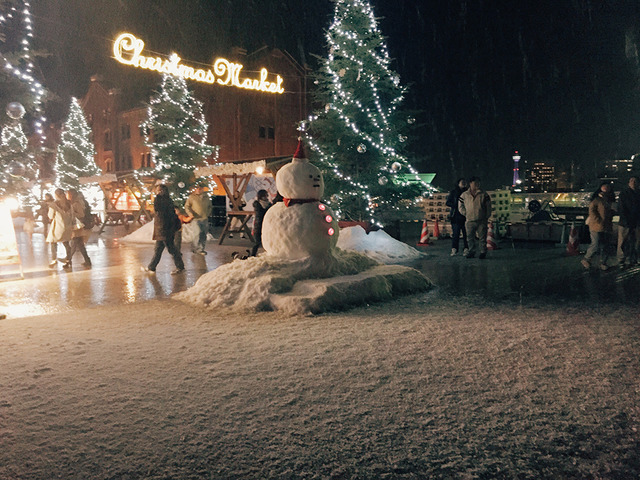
x,y
22,66
76,153
176,134
359,137
17,162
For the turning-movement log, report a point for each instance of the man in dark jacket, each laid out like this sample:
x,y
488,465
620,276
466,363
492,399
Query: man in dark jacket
x,y
457,219
260,207
629,225
166,223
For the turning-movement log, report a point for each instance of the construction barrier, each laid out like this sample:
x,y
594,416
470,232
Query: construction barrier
x,y
573,245
424,235
491,240
436,229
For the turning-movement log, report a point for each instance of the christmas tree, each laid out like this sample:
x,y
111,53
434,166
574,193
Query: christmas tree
x,y
177,134
18,87
360,135
17,161
76,153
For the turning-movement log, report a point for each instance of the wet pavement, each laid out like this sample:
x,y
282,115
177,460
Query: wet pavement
x,y
531,274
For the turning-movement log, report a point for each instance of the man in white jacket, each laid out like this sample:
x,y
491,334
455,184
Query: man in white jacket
x,y
475,204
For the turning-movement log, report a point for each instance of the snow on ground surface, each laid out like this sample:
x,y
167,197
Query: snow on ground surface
x,y
144,234
427,386
335,281
341,278
378,245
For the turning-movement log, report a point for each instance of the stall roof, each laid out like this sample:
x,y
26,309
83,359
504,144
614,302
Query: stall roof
x,y
243,167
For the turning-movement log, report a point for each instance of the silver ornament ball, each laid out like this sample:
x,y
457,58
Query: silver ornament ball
x,y
181,184
362,148
16,169
15,110
395,166
383,180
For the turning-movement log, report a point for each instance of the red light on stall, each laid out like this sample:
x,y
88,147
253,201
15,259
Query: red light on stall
x,y
322,207
331,231
328,218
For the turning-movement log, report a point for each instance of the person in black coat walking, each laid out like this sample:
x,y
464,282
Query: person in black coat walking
x,y
457,219
629,224
166,224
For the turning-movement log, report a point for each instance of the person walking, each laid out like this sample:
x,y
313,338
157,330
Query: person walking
x,y
457,219
260,207
475,205
43,212
198,206
165,225
629,224
600,225
82,226
60,227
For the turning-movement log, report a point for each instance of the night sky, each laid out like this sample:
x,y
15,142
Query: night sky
x,y
557,80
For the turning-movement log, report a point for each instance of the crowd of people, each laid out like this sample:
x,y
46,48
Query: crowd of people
x,y
469,215
602,209
470,211
67,219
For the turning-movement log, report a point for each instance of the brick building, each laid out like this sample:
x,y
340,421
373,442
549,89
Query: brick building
x,y
245,124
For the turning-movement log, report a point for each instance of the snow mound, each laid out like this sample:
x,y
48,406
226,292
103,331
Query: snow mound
x,y
145,234
309,285
378,245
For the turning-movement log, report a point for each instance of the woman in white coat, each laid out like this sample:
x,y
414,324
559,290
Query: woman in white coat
x,y
60,227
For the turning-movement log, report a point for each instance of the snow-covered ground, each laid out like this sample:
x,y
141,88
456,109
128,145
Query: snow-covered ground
x,y
144,234
378,245
316,283
425,386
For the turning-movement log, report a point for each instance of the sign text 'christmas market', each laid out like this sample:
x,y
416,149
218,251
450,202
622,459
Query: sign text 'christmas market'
x,y
127,49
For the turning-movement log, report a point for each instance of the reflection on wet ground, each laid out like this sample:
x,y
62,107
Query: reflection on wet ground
x,y
532,273
115,277
512,273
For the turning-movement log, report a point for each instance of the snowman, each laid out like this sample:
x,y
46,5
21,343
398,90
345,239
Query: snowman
x,y
300,226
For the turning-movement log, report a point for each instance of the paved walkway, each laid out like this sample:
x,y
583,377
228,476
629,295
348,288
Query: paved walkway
x,y
513,274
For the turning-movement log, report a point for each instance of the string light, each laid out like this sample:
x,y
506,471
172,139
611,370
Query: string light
x,y
361,95
76,153
176,132
23,70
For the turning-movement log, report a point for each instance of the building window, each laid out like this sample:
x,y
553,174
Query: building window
x,y
125,132
108,164
145,160
262,132
107,140
144,131
271,133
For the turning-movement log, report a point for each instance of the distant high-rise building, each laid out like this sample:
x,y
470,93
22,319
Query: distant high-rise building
x,y
516,169
541,177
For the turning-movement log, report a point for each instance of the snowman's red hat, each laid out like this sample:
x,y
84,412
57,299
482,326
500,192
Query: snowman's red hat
x,y
300,150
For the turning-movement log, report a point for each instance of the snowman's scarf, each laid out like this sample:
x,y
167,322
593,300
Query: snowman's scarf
x,y
294,201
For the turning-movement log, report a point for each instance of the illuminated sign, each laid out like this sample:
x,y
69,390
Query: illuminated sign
x,y
127,49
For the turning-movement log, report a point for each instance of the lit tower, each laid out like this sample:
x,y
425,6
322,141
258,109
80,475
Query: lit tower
x,y
516,169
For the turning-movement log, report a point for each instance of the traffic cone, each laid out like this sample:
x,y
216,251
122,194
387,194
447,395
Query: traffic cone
x,y
491,241
436,229
424,235
573,245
